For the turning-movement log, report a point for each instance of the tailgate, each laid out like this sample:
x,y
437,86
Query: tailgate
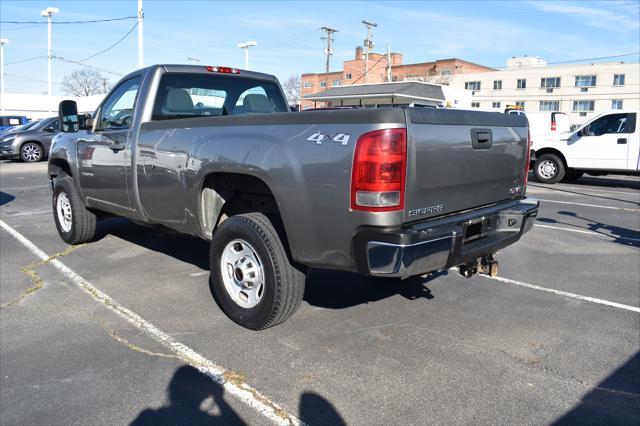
x,y
459,160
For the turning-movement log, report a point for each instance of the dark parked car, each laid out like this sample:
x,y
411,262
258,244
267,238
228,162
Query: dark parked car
x,y
30,144
9,121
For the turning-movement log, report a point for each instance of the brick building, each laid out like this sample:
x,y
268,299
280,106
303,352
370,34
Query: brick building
x,y
353,72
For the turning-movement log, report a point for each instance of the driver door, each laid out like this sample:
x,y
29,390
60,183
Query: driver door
x,y
602,144
104,156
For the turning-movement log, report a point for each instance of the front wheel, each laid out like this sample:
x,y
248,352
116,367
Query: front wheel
x,y
31,152
549,168
252,279
75,224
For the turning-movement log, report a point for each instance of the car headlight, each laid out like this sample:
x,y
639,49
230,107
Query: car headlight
x,y
7,140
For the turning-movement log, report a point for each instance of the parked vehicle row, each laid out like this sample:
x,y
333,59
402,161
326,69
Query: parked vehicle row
x,y
29,142
216,153
9,121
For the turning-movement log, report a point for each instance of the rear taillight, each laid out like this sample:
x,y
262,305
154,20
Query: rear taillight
x,y
526,162
379,170
553,126
223,70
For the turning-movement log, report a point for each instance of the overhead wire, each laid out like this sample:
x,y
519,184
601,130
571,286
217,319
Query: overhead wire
x,y
91,21
110,47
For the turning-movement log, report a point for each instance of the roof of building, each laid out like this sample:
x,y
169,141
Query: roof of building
x,y
404,89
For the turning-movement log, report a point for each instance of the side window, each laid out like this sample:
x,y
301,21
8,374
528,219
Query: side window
x,y
54,125
611,124
117,111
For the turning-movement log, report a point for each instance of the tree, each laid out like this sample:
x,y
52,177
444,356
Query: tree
x,y
85,83
292,88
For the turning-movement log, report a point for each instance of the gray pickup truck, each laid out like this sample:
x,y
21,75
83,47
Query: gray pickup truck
x,y
214,152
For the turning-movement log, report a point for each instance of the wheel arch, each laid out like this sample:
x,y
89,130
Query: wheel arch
x,y
58,167
554,151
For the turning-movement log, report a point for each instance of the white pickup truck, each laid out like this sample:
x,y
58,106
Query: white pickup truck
x,y
608,144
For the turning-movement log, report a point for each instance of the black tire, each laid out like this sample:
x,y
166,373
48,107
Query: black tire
x,y
31,152
572,175
83,222
283,284
549,168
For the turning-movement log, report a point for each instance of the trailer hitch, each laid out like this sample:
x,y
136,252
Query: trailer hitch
x,y
486,265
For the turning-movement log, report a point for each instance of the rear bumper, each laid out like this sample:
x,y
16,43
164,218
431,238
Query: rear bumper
x,y
440,243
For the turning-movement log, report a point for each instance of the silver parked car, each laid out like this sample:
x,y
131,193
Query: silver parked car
x,y
29,144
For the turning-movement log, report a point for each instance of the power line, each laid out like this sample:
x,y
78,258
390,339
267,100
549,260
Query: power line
x,y
110,47
29,78
365,73
87,66
25,60
93,21
21,28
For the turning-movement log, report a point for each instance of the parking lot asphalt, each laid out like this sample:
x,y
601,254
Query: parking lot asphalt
x,y
557,340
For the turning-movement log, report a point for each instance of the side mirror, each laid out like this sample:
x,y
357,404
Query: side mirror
x,y
68,119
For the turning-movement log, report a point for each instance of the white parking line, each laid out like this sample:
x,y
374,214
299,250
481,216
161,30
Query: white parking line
x,y
582,231
566,294
577,189
242,391
590,205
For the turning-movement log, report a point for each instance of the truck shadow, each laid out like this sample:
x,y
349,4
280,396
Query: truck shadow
x,y
340,290
6,198
624,236
548,188
607,182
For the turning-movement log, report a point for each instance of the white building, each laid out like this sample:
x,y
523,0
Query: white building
x,y
580,90
41,106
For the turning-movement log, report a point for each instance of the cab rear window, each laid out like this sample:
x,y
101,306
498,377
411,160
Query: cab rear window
x,y
204,95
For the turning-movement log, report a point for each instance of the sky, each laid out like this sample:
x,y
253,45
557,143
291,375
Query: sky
x,y
289,37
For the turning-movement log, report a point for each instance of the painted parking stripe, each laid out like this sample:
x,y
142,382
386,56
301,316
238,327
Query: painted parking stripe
x,y
590,205
601,191
582,231
243,392
566,294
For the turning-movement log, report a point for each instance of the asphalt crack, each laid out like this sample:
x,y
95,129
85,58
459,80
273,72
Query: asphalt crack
x,y
36,279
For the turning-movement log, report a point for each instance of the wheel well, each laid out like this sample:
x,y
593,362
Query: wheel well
x,y
543,151
59,167
227,194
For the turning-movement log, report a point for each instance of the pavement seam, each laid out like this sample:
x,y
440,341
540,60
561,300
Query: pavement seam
x,y
36,279
240,389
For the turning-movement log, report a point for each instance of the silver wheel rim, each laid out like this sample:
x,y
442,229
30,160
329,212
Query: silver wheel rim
x,y
63,210
242,273
547,169
31,152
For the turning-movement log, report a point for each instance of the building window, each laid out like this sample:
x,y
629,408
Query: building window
x,y
307,84
497,84
618,79
347,76
323,84
472,85
520,104
583,106
475,104
522,83
549,105
495,104
616,104
445,72
585,80
549,82
336,83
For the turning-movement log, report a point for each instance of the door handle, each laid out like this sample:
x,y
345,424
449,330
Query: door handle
x,y
116,146
622,141
481,138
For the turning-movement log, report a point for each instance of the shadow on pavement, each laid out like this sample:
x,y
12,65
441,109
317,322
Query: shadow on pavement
x,y
6,198
550,188
614,401
339,290
315,410
610,182
624,236
194,399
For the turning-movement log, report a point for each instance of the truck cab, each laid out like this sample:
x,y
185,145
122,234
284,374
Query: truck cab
x,y
607,144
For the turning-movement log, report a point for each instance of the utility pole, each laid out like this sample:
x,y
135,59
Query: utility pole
x,y
48,13
388,63
328,50
246,45
140,35
105,84
3,41
368,46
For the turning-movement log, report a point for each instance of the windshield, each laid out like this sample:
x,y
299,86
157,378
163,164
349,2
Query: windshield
x,y
23,127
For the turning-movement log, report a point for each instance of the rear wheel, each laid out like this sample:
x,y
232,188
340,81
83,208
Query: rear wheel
x,y
75,224
549,168
252,279
31,152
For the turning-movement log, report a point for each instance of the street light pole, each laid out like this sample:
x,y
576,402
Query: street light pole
x,y
48,13
3,41
246,46
140,35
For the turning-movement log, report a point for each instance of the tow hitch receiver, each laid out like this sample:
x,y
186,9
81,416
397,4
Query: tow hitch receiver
x,y
486,265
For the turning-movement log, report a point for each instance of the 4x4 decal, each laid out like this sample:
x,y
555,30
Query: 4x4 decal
x,y
320,138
